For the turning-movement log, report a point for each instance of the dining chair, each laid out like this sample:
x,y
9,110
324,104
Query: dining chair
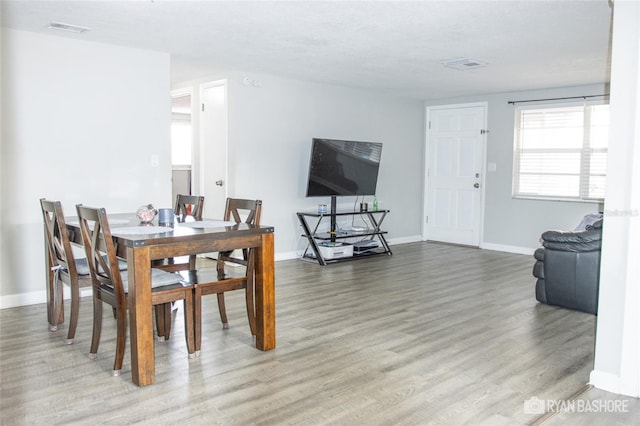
x,y
186,206
110,285
238,210
247,211
65,268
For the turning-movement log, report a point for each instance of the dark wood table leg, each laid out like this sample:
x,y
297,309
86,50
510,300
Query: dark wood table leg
x,y
265,295
140,316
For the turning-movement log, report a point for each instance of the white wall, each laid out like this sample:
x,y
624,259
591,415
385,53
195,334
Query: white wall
x,y
80,122
270,132
516,224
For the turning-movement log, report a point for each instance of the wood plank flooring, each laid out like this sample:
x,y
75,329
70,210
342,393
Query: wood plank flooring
x,y
435,334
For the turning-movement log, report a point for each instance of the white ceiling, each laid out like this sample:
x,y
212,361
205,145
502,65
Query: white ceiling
x,y
393,46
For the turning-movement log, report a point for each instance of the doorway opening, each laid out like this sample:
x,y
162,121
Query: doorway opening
x,y
181,143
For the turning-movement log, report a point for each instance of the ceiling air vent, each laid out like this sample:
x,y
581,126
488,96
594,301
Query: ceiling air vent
x,y
67,27
463,63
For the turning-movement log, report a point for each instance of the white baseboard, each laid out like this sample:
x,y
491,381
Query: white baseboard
x,y
23,299
286,256
507,249
405,240
612,383
35,297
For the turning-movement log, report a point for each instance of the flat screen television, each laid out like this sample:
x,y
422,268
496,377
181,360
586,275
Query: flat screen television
x,y
343,168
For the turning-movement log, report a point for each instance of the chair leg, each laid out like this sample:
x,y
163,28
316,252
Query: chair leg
x,y
189,330
57,305
97,327
160,322
250,291
251,309
55,300
121,340
197,318
220,263
223,311
61,299
221,306
73,316
167,320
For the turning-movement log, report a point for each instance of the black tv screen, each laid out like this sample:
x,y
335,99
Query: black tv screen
x,y
340,167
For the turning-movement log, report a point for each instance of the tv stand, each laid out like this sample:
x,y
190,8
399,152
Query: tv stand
x,y
334,228
368,241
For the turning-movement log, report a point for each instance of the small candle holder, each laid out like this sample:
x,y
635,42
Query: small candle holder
x,y
165,217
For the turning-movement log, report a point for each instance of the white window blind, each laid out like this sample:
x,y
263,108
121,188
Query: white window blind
x,y
560,152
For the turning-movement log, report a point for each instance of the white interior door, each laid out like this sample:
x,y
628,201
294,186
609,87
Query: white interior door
x,y
213,148
455,173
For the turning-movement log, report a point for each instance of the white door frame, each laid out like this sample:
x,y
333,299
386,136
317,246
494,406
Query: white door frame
x,y
425,195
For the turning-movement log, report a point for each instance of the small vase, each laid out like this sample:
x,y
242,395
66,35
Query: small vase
x,y
146,214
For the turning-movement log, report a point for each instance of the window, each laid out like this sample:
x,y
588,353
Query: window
x,y
560,152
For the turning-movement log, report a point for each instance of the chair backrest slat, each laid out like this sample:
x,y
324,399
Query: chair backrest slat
x,y
189,205
100,249
57,237
236,208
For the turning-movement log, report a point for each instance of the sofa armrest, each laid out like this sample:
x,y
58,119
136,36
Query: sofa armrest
x,y
574,241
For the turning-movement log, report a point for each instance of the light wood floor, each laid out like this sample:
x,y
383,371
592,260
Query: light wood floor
x,y
434,334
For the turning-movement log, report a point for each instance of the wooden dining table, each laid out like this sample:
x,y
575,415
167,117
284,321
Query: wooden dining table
x,y
205,236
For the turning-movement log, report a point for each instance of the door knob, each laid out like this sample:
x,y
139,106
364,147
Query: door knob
x,y
476,185
219,182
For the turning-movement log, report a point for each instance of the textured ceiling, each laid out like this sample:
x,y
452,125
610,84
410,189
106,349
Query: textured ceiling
x,y
393,46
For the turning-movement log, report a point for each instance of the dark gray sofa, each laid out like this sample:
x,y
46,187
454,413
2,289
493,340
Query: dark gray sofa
x,y
568,268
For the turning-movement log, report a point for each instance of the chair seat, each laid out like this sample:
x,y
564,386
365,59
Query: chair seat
x,y
158,279
204,276
82,265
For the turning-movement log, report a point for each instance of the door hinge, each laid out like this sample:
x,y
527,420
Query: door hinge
x,y
483,131
429,125
202,107
426,219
